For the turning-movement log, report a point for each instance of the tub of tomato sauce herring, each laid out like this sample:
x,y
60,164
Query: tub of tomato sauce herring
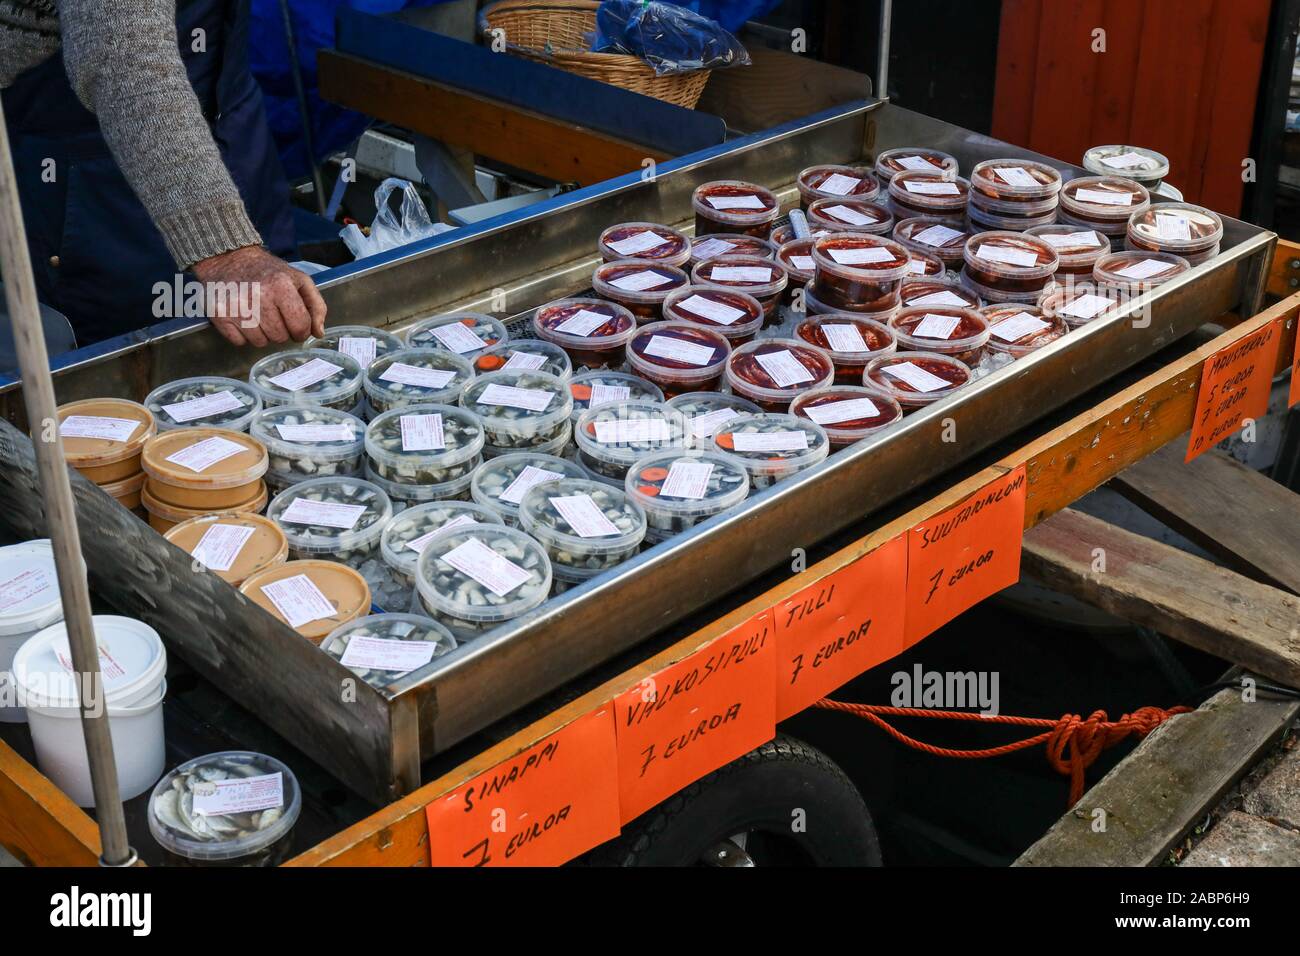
x,y
858,272
734,206
594,332
679,356
764,279
645,240
835,182
944,329
771,372
638,285
852,340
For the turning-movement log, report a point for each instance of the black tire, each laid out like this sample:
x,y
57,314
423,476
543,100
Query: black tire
x,y
757,794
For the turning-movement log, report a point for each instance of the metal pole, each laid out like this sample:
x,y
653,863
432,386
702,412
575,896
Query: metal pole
x,y
295,68
60,512
882,66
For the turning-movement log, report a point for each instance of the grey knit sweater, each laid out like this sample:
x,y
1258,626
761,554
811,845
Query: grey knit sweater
x,y
124,64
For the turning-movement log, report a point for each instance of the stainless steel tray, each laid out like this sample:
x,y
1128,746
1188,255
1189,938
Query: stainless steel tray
x,y
375,741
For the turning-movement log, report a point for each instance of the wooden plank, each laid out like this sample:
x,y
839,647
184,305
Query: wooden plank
x,y
517,137
1067,72
1171,779
1112,105
1013,98
38,823
1282,273
1177,594
1248,521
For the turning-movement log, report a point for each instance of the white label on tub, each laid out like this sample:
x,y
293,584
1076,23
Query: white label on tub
x,y
1016,327
641,242
849,410
422,542
1087,239
916,267
769,441
306,375
361,348
632,430
457,337
422,433
298,600
1010,256
783,368
338,431
931,189
857,257
1087,306
93,426
405,374
1015,176
703,426
1170,225
220,546
640,281
380,654
711,249
939,298
583,322
507,396
808,264
584,516
204,454
850,215
937,235
204,406
525,361
914,162
1104,197
845,338
837,184
917,377
476,560
679,350
239,794
330,514
530,476
1144,269
718,312
934,326
109,668
687,479
1127,161
604,394
735,202
23,586
741,274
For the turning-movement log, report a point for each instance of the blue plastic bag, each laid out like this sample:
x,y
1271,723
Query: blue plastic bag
x,y
670,38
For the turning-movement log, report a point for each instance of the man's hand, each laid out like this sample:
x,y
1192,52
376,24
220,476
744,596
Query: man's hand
x,y
254,298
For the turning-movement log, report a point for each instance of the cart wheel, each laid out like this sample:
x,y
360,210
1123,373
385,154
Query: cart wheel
x,y
783,804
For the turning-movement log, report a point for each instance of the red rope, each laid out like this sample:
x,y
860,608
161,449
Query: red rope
x,y
1073,743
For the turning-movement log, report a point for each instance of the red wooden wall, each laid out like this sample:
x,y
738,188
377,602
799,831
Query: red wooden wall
x,y
1179,76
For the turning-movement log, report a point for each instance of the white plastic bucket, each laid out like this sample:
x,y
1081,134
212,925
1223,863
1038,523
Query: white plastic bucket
x,y
134,665
29,602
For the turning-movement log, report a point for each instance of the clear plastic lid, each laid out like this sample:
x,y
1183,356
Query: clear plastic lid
x,y
234,546
1176,227
29,584
616,434
525,355
849,413
43,676
382,653
849,338
645,240
709,411
575,324
937,292
329,517
103,431
783,233
362,342
734,313
914,379
893,161
948,329
1138,163
773,444
678,353
682,487
1014,180
636,281
1010,256
712,245
343,595
1078,303
1103,198
424,444
406,536
776,370
600,387
1017,329
857,257
583,523
1137,271
516,405
760,277
416,375
258,813
850,215
461,332
932,237
204,459
483,575
836,182
500,483
939,192
312,434
1076,248
735,203
204,402
307,377
796,256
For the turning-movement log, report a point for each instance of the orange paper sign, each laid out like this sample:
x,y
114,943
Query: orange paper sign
x,y
696,715
1294,397
846,623
961,556
544,807
1235,384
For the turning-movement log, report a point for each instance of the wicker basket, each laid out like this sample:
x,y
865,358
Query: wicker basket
x,y
553,33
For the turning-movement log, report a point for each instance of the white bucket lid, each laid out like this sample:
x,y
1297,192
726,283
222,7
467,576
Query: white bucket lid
x,y
132,660
29,588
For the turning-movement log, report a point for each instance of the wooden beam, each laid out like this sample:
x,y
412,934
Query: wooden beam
x,y
1178,594
1245,519
520,138
38,823
1283,276
1172,778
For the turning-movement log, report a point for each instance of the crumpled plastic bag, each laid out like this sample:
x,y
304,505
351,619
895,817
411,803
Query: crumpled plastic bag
x,y
669,38
392,229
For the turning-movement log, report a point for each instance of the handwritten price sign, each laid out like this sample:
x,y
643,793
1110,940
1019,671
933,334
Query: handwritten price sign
x,y
1294,397
1235,384
965,554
